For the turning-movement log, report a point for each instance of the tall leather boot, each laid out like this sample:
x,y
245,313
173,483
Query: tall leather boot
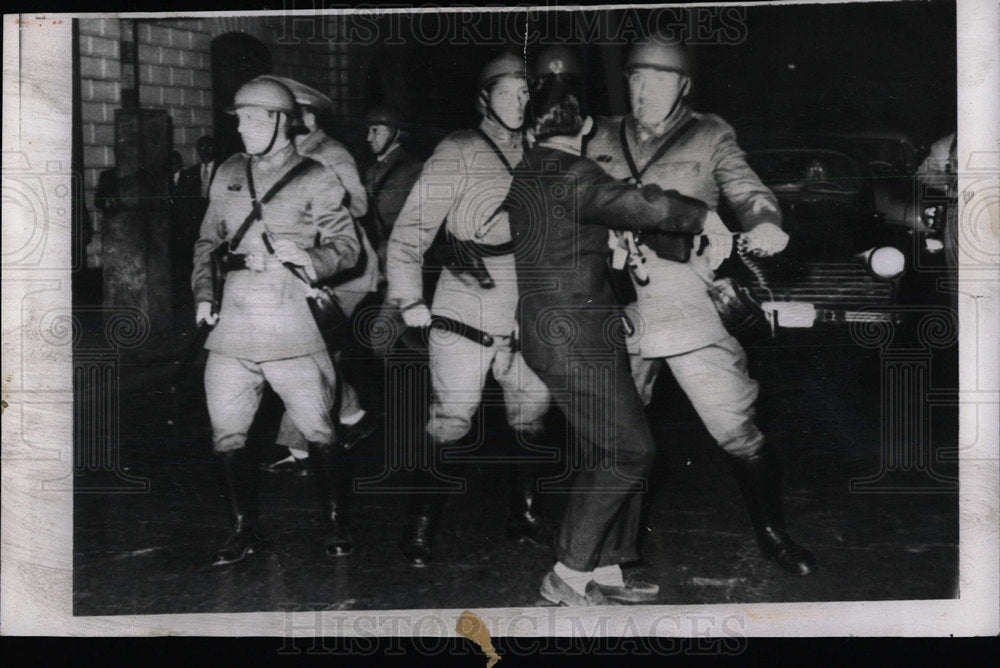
x,y
523,521
422,516
329,469
759,480
240,481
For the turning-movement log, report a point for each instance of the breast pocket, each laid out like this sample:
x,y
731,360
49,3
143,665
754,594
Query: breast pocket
x,y
681,170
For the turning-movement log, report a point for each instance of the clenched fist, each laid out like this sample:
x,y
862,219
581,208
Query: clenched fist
x,y
417,315
765,240
204,314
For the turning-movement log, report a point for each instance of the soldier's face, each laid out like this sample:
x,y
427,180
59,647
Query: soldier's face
x,y
507,98
379,137
652,93
256,127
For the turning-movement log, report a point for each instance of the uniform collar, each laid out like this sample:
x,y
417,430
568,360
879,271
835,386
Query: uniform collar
x,y
391,151
498,133
310,141
274,160
643,134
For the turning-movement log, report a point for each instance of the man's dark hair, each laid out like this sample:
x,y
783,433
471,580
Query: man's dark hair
x,y
555,108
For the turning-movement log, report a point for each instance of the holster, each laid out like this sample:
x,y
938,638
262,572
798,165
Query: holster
x,y
669,245
465,257
223,261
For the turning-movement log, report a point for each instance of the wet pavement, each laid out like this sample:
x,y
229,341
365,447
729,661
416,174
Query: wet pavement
x,y
821,406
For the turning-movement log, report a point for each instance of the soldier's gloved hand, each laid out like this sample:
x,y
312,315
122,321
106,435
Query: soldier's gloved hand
x,y
416,314
765,240
204,314
254,261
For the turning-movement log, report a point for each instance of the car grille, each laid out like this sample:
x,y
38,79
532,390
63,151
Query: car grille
x,y
840,291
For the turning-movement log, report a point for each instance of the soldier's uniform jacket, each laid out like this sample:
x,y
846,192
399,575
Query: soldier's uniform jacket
x,y
388,182
673,313
465,182
330,152
334,156
561,207
264,315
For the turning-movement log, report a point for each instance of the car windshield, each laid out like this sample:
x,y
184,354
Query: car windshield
x,y
806,170
898,154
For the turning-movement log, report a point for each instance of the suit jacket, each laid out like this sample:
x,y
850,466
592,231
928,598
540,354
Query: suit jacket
x,y
264,315
462,186
560,207
674,313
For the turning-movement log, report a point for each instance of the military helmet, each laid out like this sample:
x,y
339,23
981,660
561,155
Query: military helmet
x,y
305,96
559,61
384,114
504,65
659,54
265,92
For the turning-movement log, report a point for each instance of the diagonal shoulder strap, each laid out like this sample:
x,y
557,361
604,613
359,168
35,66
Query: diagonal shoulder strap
x,y
496,149
255,213
664,147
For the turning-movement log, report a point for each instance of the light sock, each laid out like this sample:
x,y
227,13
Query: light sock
x,y
353,418
577,580
610,576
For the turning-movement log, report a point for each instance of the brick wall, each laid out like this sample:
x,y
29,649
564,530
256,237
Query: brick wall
x,y
175,74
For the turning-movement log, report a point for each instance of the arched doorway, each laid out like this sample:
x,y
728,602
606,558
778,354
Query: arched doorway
x,y
236,58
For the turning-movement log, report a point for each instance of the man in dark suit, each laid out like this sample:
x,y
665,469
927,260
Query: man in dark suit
x,y
561,207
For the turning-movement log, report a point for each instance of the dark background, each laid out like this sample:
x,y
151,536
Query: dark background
x,y
843,67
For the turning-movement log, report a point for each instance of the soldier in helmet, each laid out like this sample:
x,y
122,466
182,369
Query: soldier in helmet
x,y
390,177
356,423
664,141
561,206
388,180
462,187
277,213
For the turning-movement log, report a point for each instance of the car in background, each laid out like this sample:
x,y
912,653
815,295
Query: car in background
x,y
842,262
892,160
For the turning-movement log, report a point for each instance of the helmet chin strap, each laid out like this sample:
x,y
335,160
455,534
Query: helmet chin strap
x,y
274,137
496,117
673,109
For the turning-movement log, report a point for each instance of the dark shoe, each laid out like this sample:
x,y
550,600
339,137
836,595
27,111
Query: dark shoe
x,y
289,465
528,528
416,544
358,432
239,479
555,590
760,484
241,542
523,521
329,470
421,521
633,591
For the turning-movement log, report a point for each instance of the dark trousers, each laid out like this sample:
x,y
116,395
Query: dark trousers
x,y
614,449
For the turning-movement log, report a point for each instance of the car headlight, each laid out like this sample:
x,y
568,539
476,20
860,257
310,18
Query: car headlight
x,y
884,262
